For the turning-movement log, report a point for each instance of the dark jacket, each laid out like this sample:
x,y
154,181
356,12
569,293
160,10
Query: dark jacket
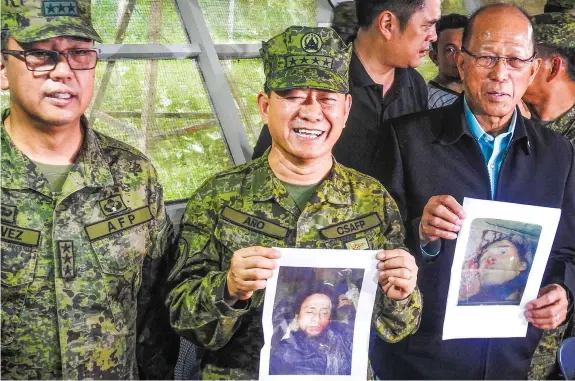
x,y
369,110
433,153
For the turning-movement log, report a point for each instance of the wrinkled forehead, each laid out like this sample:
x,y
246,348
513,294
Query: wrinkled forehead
x,y
513,36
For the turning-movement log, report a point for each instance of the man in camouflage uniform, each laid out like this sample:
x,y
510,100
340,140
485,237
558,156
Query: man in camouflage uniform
x,y
295,195
551,96
84,228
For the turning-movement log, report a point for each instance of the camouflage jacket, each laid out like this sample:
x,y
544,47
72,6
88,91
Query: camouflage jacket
x,y
249,206
565,125
81,267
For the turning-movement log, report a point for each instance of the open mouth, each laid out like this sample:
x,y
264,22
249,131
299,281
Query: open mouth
x,y
308,134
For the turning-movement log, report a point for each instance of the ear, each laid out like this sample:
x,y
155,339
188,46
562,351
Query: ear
x,y
4,83
557,65
433,56
264,106
385,22
534,68
347,107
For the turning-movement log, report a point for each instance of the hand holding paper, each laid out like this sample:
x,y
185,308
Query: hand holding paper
x,y
442,218
549,310
398,273
249,270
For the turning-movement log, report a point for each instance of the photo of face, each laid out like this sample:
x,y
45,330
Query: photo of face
x,y
500,262
313,316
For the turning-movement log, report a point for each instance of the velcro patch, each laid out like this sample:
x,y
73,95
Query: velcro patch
x,y
112,205
254,223
59,8
351,227
8,213
66,249
20,236
358,244
119,223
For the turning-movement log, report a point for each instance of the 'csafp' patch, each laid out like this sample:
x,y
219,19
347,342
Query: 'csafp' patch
x,y
9,213
254,223
351,227
358,244
119,223
112,205
59,8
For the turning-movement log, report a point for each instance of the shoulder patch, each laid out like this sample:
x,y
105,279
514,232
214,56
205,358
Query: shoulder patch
x,y
119,223
351,227
254,223
9,213
112,205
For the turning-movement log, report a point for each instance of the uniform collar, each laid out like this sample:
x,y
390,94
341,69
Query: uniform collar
x,y
334,189
90,169
475,128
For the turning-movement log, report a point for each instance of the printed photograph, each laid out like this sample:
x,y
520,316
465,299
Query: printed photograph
x,y
313,319
497,262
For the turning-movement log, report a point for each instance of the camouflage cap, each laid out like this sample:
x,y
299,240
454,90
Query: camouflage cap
x,y
36,20
555,29
304,57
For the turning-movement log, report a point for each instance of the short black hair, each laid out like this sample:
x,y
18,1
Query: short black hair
x,y
369,10
450,21
5,37
467,31
316,287
566,54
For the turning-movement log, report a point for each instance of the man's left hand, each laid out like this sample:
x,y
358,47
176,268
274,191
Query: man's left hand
x,y
549,310
397,273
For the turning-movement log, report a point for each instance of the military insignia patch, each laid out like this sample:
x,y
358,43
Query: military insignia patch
x,y
66,249
20,236
358,244
119,223
60,8
254,223
311,43
112,205
8,213
351,227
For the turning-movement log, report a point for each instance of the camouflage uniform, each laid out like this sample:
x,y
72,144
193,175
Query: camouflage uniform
x,y
345,21
82,267
249,206
564,6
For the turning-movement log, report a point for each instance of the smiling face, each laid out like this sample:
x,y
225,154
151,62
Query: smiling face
x,y
54,98
314,314
304,123
494,92
500,262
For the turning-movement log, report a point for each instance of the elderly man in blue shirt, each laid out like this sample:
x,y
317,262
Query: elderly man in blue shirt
x,y
479,147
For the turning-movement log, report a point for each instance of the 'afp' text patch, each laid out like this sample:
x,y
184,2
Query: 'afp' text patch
x,y
254,223
117,224
21,236
351,227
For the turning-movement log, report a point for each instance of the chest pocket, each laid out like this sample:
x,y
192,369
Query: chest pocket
x,y
362,233
238,230
121,243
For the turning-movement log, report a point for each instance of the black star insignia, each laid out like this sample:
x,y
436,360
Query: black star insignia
x,y
50,9
68,258
61,8
325,62
315,61
71,8
67,271
304,61
66,247
292,61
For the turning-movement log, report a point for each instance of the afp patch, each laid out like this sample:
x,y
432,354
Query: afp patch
x,y
358,244
8,213
112,205
51,8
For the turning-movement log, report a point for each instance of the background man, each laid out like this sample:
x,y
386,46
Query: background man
x,y
445,88
84,229
393,37
479,147
293,196
551,96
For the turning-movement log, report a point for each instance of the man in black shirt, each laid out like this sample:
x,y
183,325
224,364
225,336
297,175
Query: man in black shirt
x,y
393,37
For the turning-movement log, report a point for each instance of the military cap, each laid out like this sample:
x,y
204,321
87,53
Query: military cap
x,y
36,20
555,29
304,57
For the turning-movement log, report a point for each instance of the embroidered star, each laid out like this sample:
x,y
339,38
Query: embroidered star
x,y
68,270
292,61
66,247
68,258
304,61
50,9
315,61
61,8
71,8
325,62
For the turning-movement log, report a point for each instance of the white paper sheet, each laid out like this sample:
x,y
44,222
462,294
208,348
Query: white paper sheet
x,y
310,260
500,257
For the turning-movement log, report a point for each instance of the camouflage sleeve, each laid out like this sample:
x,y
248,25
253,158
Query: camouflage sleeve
x,y
395,319
157,346
197,280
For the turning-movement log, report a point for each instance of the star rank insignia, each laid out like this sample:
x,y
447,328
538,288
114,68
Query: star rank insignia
x,y
66,249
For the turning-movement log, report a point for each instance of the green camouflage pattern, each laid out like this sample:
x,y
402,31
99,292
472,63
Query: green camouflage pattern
x,y
345,21
36,20
73,308
567,4
565,125
557,29
304,57
233,337
544,361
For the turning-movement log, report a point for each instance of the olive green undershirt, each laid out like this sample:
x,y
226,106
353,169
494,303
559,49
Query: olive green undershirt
x,y
56,174
301,194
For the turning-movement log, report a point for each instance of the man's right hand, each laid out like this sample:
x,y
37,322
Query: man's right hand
x,y
250,268
442,218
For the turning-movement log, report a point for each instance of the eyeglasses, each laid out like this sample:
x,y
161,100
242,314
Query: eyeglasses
x,y
489,62
46,60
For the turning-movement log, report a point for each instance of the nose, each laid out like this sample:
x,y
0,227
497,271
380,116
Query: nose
x,y
432,34
499,72
311,110
62,69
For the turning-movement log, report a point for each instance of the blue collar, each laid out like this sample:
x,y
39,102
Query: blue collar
x,y
478,132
